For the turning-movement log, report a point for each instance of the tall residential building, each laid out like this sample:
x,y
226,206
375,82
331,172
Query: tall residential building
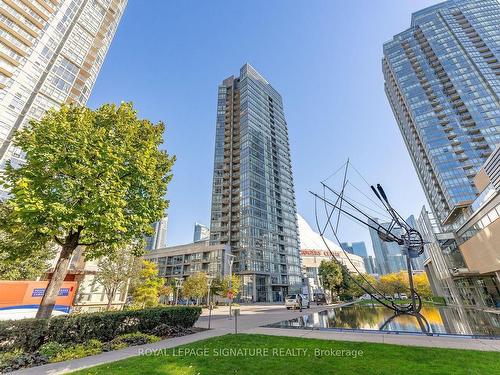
x,y
253,199
51,52
201,232
442,79
464,265
159,238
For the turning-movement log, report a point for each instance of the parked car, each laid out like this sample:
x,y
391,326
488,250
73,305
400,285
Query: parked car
x,y
389,297
403,296
292,301
320,298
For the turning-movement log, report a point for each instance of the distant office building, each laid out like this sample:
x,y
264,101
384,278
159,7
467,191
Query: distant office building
x,y
345,246
201,232
253,198
359,249
370,266
159,239
442,79
389,256
50,53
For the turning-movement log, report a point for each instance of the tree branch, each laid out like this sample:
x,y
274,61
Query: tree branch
x,y
58,241
89,243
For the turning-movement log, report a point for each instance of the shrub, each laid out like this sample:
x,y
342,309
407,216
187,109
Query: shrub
x,y
78,351
132,339
30,334
51,349
26,334
17,359
164,330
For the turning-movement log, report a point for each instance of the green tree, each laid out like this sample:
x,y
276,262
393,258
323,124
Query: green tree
x,y
21,259
148,285
330,276
115,271
355,291
195,286
216,286
92,178
230,284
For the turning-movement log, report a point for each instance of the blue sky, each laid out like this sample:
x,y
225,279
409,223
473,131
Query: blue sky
x,y
324,57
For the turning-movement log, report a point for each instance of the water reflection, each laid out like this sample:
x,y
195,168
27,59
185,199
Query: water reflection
x,y
437,320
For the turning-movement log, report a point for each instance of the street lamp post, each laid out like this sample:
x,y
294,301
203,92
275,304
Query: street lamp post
x,y
209,284
178,284
231,260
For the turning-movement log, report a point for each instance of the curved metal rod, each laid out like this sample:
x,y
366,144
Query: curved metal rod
x,y
335,258
393,306
344,251
420,319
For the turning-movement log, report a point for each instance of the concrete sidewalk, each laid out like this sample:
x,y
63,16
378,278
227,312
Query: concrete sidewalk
x,y
251,321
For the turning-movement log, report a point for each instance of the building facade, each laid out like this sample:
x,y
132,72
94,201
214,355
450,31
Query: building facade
x,y
253,198
464,265
51,52
442,79
201,232
185,260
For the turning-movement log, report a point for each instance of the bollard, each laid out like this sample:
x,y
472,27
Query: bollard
x,y
236,313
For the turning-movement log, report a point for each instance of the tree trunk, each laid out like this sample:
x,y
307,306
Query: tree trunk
x,y
122,305
111,297
49,298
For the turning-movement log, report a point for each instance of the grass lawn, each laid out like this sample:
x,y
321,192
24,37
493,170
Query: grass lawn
x,y
291,355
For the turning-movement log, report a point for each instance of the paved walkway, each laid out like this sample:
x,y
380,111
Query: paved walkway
x,y
251,321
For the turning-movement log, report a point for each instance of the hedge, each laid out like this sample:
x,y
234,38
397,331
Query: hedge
x,y
30,334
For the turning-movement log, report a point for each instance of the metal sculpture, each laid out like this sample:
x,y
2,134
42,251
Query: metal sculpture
x,y
407,237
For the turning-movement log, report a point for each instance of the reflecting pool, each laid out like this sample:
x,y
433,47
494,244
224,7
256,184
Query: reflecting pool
x,y
441,321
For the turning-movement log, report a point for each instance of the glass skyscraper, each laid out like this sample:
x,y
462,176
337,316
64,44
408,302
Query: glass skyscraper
x,y
253,199
389,256
51,52
442,79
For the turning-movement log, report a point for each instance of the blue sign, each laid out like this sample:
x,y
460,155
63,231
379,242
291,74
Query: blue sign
x,y
39,292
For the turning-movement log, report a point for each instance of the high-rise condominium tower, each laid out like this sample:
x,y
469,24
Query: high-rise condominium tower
x,y
50,53
442,78
201,232
159,238
253,199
